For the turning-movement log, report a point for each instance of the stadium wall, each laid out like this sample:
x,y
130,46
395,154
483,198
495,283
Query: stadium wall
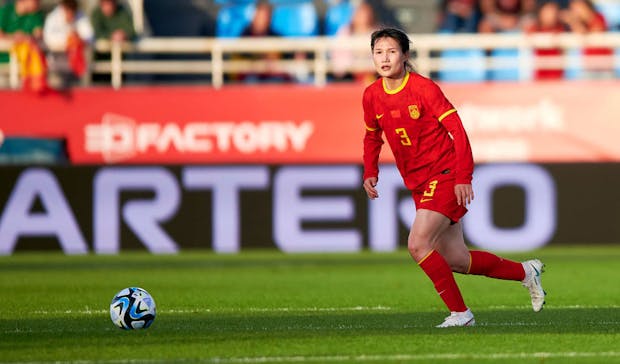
x,y
295,208
506,122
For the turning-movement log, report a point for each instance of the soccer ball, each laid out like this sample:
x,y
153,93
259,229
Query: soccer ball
x,y
132,308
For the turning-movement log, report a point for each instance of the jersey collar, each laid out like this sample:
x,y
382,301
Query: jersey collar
x,y
396,90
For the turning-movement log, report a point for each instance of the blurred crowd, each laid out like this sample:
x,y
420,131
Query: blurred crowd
x,y
497,16
55,42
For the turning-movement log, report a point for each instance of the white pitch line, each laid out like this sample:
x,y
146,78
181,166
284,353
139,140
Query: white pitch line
x,y
344,358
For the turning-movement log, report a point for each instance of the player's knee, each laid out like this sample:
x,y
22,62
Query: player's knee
x,y
418,247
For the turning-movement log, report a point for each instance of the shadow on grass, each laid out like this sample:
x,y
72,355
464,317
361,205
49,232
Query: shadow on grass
x,y
334,324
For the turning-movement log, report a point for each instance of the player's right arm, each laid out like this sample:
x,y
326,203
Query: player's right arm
x,y
372,147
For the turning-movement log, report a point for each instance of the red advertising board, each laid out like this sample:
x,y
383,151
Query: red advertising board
x,y
538,122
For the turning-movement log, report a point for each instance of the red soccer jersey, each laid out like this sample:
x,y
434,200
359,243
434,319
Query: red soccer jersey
x,y
422,128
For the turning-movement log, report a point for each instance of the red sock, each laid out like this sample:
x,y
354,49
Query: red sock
x,y
490,265
438,270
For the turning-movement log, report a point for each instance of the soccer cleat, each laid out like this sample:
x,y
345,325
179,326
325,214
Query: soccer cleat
x,y
533,270
459,319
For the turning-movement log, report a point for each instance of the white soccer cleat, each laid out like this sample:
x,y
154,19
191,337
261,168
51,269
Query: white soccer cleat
x,y
533,270
459,319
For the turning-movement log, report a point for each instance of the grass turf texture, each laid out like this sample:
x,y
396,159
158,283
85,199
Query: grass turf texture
x,y
268,307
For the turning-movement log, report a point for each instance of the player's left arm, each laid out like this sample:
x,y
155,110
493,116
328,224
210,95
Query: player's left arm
x,y
447,115
464,159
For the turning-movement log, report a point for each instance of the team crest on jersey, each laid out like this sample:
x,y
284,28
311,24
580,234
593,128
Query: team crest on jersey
x,y
414,112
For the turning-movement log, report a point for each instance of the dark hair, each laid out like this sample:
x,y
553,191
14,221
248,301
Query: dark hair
x,y
401,37
70,4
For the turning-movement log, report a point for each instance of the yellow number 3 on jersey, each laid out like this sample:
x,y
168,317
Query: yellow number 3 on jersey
x,y
404,138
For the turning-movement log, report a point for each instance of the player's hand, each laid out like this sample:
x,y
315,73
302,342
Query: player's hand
x,y
464,194
369,186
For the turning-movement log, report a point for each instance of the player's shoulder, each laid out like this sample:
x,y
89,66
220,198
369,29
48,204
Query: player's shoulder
x,y
373,89
423,85
374,86
417,80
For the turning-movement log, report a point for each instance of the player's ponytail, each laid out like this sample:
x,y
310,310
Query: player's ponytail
x,y
401,37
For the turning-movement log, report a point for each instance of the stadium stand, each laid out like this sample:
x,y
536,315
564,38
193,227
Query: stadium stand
x,y
511,72
233,17
189,37
295,18
462,65
337,15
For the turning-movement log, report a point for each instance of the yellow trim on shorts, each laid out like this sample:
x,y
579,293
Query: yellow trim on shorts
x,y
427,255
443,116
370,129
469,268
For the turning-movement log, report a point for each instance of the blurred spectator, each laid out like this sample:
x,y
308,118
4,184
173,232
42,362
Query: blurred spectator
x,y
548,20
67,31
261,27
21,21
582,17
460,16
362,23
502,16
112,21
261,22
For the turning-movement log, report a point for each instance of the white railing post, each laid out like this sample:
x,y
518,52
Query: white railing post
x,y
526,60
116,64
424,61
13,70
320,65
217,61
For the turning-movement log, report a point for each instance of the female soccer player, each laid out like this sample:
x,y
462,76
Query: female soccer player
x,y
433,155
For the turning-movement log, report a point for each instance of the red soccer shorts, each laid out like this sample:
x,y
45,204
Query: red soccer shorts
x,y
438,195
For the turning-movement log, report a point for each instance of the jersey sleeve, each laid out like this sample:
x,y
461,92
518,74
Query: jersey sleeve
x,y
372,138
446,114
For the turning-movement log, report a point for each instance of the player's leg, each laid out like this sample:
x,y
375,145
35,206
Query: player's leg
x,y
452,247
423,240
462,260
528,273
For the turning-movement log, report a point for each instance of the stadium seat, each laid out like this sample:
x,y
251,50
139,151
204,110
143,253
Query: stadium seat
x,y
505,55
233,17
462,65
29,150
337,15
294,18
611,12
574,68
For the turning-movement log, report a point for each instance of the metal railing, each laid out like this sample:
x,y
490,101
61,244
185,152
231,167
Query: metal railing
x,y
217,55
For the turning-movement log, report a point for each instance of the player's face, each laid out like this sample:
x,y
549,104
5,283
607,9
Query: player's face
x,y
388,58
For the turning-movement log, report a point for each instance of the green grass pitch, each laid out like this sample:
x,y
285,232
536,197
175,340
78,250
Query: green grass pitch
x,y
269,307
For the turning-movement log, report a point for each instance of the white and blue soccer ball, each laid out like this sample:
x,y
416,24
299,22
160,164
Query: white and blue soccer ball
x,y
132,308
